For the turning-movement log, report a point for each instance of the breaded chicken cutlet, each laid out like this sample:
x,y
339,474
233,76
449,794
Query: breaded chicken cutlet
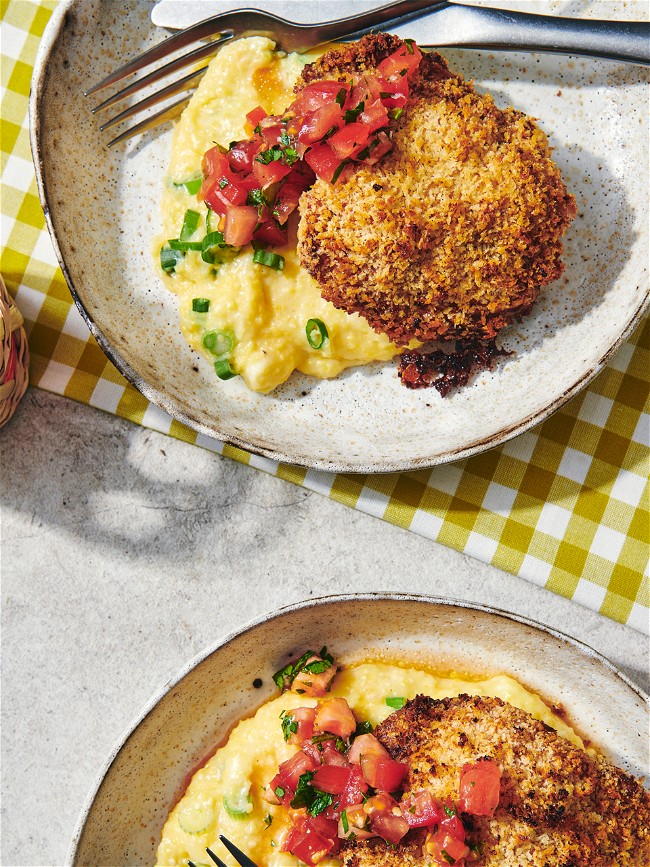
x,y
452,234
559,806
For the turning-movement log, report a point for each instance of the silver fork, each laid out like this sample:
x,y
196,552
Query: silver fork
x,y
456,25
236,853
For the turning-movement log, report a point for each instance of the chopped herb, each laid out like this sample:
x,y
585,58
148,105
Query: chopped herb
x,y
353,113
273,154
223,183
337,173
402,72
363,728
395,701
448,858
285,139
258,129
177,244
341,96
286,675
450,811
304,792
317,334
289,726
344,822
409,45
321,802
200,305
395,113
256,198
279,791
210,247
268,819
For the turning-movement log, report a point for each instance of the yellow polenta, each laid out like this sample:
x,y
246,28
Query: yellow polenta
x,y
225,796
266,310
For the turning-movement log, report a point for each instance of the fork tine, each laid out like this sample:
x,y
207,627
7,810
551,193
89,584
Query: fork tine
x,y
237,854
216,858
156,74
202,30
154,98
169,113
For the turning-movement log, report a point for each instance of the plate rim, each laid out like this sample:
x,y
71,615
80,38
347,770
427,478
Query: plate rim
x,y
215,432
304,604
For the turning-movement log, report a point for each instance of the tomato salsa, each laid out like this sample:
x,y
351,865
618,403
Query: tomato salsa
x,y
342,784
255,184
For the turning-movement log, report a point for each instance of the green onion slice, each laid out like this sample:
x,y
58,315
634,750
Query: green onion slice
x,y
395,701
272,260
210,245
191,186
200,305
317,333
169,259
223,369
177,244
219,343
190,223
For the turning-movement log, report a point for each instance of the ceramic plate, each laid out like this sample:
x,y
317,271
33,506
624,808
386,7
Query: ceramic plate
x,y
147,771
102,211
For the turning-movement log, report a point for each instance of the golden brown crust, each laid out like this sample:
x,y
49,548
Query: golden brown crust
x,y
454,232
559,806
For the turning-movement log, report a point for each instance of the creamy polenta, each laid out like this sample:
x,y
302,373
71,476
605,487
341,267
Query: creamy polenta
x,y
225,796
263,311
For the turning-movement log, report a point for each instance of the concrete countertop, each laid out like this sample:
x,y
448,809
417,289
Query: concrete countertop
x,y
125,552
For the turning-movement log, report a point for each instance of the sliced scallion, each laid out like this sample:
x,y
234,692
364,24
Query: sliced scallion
x,y
177,244
210,246
317,333
272,260
223,369
395,701
200,305
219,343
190,223
169,259
191,186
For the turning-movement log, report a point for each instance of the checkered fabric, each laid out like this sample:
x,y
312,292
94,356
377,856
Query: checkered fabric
x,y
564,505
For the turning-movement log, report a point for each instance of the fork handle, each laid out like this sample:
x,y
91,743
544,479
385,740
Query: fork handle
x,y
460,25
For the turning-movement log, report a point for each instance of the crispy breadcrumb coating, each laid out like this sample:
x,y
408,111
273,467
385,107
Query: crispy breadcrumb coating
x,y
452,234
559,805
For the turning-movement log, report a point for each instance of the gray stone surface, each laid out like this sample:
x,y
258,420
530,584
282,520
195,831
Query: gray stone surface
x,y
125,552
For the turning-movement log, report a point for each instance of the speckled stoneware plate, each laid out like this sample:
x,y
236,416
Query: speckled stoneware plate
x,y
102,210
147,771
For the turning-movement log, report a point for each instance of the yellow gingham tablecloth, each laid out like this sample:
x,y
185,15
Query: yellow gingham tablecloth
x,y
564,505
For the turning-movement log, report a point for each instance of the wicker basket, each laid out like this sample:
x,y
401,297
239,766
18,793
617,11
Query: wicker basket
x,y
14,359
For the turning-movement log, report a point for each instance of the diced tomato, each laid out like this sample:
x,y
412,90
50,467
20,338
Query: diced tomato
x,y
421,809
254,117
317,94
317,123
407,57
271,234
480,788
349,140
388,826
331,756
398,88
241,156
380,146
240,225
312,751
335,716
277,792
323,161
286,201
452,822
304,719
446,849
309,683
366,745
383,773
332,778
355,789
306,843
269,173
327,828
374,115
357,824
291,770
